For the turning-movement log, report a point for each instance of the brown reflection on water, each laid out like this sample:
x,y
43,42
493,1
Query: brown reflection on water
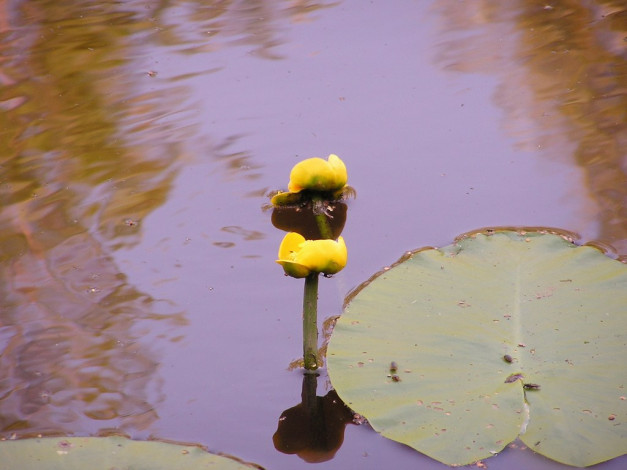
x,y
563,72
313,429
78,174
86,153
204,26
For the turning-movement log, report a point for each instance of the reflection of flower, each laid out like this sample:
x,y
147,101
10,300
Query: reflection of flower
x,y
313,429
303,220
316,174
315,177
300,257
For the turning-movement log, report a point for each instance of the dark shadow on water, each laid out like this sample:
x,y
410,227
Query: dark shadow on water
x,y
313,429
301,219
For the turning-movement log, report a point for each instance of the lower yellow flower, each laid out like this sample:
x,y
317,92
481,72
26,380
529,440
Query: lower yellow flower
x,y
300,257
316,174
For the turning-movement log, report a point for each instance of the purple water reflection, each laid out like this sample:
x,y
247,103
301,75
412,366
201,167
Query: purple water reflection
x,y
213,108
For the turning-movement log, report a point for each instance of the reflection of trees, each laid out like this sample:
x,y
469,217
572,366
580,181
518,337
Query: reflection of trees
x,y
85,155
575,67
71,185
239,22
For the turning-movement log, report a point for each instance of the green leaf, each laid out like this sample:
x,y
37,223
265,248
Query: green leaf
x,y
105,453
452,319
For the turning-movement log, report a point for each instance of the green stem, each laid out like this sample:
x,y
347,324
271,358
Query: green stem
x,y
310,322
324,227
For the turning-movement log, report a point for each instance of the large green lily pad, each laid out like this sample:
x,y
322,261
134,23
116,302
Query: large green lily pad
x,y
106,453
452,319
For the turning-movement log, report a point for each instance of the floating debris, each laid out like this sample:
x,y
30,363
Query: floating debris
x,y
513,378
531,386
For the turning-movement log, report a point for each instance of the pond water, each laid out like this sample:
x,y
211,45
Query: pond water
x,y
140,140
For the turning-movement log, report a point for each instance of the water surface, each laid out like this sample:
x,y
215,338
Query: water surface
x,y
139,142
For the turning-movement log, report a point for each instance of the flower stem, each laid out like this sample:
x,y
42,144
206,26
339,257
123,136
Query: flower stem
x,y
310,322
324,227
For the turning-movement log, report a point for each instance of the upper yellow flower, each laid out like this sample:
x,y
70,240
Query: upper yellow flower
x,y
300,257
316,174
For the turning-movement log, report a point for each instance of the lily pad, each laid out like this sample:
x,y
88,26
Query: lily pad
x,y
458,351
68,453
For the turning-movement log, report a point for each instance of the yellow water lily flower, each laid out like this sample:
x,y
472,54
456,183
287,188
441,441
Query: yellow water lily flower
x,y
300,257
316,174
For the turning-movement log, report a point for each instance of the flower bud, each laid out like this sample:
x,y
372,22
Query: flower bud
x,y
300,257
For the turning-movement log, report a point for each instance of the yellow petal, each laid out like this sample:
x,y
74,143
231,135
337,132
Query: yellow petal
x,y
337,259
294,269
312,173
285,199
300,257
291,244
323,256
339,169
316,174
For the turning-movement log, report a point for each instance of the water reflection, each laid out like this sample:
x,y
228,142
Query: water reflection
x,y
313,429
92,138
240,233
563,71
79,173
302,219
201,26
70,333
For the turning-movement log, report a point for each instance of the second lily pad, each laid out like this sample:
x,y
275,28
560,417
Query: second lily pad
x,y
458,351
114,452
